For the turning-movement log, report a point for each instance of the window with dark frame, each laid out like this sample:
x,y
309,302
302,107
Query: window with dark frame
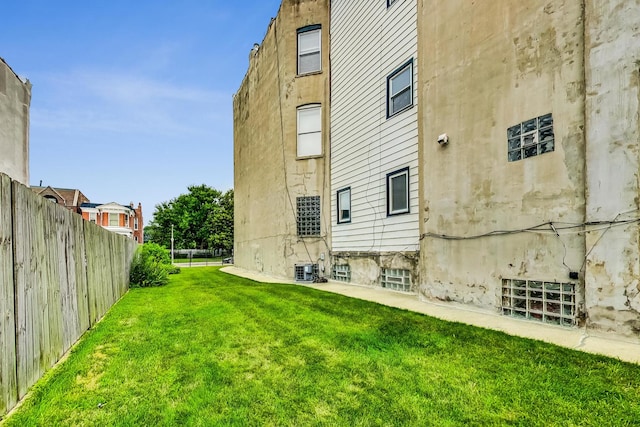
x,y
344,205
308,215
530,138
309,49
400,89
390,2
398,192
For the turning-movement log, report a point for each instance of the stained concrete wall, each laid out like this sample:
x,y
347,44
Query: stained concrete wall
x,y
268,176
15,99
613,137
488,66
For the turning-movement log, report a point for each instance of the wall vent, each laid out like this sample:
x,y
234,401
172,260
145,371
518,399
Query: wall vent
x,y
548,302
305,272
341,273
396,279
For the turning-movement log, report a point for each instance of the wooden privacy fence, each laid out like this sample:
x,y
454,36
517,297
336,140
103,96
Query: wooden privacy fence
x,y
59,274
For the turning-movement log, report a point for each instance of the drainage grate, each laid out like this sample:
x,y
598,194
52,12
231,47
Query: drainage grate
x,y
396,279
341,273
548,302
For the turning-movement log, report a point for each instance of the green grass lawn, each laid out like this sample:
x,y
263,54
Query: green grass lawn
x,y
213,349
187,260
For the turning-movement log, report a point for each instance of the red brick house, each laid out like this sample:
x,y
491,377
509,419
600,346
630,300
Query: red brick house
x,y
121,219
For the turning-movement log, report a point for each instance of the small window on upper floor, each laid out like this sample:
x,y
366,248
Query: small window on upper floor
x,y
530,138
309,49
344,205
400,89
310,130
391,2
398,192
51,199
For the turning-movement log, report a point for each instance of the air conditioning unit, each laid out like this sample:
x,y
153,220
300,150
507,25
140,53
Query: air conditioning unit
x,y
305,272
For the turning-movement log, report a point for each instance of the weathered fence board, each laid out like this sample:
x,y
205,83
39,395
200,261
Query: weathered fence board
x,y
59,275
8,386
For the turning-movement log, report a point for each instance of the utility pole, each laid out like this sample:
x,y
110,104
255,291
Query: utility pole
x,y
171,243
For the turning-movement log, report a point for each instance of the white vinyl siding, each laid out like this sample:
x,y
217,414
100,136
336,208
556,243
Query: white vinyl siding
x,y
310,130
368,44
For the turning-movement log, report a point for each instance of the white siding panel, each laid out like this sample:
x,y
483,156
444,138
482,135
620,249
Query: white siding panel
x,y
368,43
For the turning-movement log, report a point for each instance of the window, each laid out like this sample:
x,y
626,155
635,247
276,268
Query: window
x,y
309,51
396,279
310,130
531,138
51,199
390,2
135,223
344,205
114,220
548,302
398,192
341,273
400,89
308,221
92,216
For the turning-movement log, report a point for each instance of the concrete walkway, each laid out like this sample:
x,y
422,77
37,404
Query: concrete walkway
x,y
626,349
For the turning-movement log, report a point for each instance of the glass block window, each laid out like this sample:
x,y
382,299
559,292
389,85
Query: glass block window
x,y
396,279
548,302
308,208
531,138
341,273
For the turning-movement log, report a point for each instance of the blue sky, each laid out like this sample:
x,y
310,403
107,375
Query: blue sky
x,y
132,100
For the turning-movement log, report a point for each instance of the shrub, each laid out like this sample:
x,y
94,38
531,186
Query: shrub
x,y
151,266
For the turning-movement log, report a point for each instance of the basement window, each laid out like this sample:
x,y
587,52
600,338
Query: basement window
x,y
531,138
548,302
341,273
396,279
308,219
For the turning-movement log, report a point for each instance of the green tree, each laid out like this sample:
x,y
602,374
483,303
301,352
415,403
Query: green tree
x,y
201,219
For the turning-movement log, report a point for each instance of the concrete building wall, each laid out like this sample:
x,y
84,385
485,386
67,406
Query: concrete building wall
x,y
612,188
268,174
485,67
369,41
15,99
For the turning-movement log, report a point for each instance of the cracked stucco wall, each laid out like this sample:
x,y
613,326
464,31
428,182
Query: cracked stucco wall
x,y
613,136
488,66
15,100
268,176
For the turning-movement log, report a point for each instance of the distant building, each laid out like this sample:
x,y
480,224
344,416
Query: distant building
x,y
67,197
121,219
15,100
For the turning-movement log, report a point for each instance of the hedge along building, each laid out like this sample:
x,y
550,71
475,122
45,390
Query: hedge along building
x,y
281,145
526,163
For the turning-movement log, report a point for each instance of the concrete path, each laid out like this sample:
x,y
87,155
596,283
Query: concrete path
x,y
623,348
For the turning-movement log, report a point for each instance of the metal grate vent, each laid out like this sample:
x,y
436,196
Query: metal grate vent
x,y
396,279
308,215
548,302
341,273
305,272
